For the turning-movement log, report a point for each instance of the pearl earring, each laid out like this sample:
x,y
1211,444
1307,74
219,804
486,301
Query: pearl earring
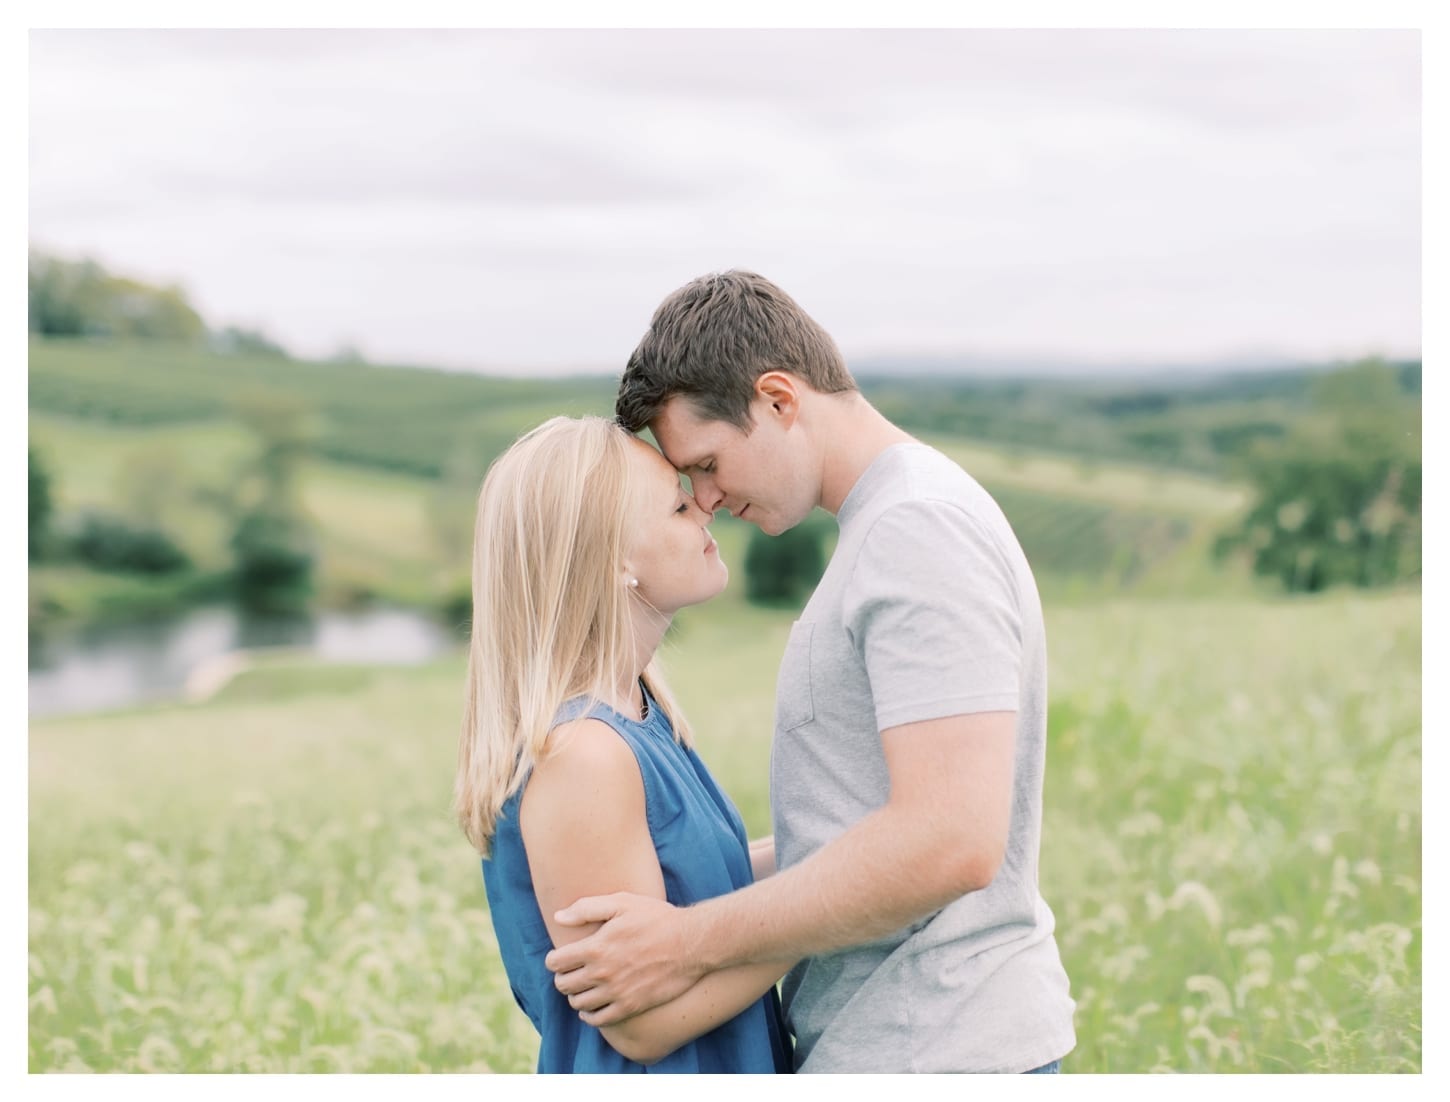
x,y
633,583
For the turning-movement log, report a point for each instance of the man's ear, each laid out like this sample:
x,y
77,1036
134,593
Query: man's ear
x,y
781,391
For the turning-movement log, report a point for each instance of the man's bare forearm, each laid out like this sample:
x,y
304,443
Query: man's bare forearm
x,y
884,873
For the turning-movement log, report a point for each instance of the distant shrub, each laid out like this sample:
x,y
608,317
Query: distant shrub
x,y
39,505
784,569
273,545
1339,498
108,542
273,561
456,609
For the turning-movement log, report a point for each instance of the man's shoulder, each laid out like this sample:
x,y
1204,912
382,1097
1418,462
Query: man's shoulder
x,y
935,520
939,508
929,479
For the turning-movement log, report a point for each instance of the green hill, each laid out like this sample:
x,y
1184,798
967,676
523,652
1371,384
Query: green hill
x,y
397,455
413,420
1090,524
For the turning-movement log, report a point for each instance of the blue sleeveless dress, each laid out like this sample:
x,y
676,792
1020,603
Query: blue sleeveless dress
x,y
703,852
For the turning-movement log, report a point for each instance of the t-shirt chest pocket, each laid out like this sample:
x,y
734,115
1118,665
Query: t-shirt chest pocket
x,y
794,706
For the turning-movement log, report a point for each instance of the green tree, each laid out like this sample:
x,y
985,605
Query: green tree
x,y
80,298
784,569
273,544
40,506
66,297
107,542
135,309
1338,499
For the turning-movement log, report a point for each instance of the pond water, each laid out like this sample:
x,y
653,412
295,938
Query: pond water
x,y
111,666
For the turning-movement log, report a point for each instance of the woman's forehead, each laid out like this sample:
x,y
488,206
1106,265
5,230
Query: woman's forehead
x,y
656,467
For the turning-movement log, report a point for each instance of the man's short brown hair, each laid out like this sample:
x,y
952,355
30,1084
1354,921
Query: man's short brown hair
x,y
711,340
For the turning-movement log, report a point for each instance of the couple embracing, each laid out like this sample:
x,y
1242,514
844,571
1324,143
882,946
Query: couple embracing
x,y
897,899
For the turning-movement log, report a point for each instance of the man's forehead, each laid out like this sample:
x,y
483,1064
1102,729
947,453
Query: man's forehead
x,y
681,454
683,436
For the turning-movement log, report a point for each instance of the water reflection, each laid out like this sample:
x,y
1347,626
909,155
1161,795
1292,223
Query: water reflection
x,y
110,666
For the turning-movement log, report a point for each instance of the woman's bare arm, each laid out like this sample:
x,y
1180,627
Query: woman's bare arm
x,y
762,857
585,833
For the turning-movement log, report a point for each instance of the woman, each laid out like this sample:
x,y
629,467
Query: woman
x,y
575,772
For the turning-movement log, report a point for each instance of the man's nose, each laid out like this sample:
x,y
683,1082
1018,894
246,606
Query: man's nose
x,y
703,515
707,494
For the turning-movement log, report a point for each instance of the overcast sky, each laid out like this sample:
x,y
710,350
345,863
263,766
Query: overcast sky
x,y
522,200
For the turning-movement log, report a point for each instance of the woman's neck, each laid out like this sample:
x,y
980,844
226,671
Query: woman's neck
x,y
649,631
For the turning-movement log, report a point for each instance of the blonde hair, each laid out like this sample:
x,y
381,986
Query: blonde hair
x,y
550,606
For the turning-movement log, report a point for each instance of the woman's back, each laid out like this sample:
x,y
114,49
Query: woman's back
x,y
702,850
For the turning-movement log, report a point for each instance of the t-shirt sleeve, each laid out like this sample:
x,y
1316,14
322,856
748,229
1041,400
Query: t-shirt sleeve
x,y
932,611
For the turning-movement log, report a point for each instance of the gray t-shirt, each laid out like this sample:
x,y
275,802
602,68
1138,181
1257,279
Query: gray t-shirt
x,y
927,609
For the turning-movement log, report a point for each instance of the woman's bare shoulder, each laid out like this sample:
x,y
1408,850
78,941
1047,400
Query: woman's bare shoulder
x,y
586,764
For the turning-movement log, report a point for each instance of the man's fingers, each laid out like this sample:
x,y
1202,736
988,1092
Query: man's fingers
x,y
571,983
582,912
609,1015
592,908
592,999
566,958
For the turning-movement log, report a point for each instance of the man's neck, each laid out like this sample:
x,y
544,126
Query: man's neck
x,y
853,433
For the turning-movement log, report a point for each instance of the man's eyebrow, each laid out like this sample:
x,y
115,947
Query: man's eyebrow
x,y
685,468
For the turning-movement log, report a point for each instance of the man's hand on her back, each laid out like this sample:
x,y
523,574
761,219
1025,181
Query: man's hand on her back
x,y
638,959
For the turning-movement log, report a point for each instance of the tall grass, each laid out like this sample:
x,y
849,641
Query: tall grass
x,y
272,882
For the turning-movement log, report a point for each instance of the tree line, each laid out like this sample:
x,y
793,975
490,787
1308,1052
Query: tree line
x,y
80,298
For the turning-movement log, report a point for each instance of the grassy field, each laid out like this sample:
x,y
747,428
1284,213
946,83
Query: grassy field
x,y
272,882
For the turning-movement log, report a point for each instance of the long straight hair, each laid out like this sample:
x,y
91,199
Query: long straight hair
x,y
550,608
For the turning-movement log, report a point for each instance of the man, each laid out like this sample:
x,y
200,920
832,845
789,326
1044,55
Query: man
x,y
906,775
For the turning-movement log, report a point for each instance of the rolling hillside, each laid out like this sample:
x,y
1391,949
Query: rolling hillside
x,y
397,455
